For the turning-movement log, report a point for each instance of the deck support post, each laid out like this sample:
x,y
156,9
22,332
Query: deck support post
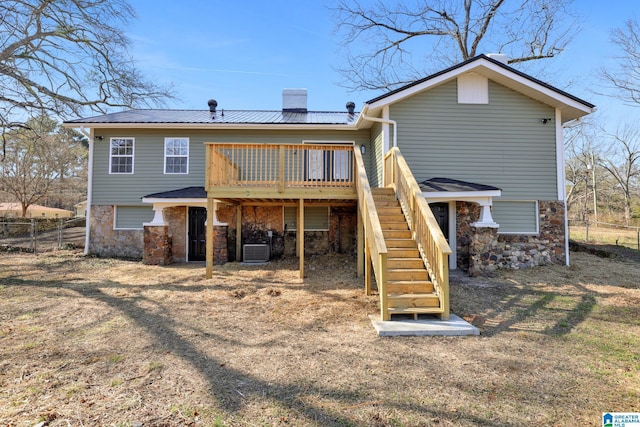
x,y
360,249
238,233
209,236
367,269
300,236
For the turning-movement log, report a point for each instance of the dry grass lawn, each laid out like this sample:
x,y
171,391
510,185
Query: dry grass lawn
x,y
103,342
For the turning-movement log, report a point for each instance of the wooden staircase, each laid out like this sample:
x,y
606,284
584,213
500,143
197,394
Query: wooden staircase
x,y
409,287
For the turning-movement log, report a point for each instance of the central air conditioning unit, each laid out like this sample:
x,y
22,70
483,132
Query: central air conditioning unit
x,y
255,252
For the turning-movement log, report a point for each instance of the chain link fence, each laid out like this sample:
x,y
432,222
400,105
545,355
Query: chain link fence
x,y
41,235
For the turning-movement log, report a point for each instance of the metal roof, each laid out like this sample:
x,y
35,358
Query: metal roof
x,y
182,193
450,185
203,117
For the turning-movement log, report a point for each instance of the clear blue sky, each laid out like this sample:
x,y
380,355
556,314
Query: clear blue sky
x,y
243,53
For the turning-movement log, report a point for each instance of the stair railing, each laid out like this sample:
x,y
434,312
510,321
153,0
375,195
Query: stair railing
x,y
375,246
432,244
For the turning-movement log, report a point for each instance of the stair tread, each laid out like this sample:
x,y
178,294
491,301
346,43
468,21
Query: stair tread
x,y
411,310
409,282
410,295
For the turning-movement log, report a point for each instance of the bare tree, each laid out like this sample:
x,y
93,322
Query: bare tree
x,y
625,74
622,160
37,158
63,57
581,152
403,38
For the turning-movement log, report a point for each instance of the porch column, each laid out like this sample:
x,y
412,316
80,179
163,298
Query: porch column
x,y
210,237
300,236
485,220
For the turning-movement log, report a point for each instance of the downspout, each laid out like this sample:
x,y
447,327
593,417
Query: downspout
x,y
385,121
89,188
562,179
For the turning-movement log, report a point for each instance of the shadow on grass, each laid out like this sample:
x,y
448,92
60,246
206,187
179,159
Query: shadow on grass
x,y
156,321
523,308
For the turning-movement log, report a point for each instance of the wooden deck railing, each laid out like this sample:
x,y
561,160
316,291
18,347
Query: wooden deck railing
x,y
432,244
375,246
280,166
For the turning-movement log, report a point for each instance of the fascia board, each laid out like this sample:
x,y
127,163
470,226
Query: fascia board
x,y
461,195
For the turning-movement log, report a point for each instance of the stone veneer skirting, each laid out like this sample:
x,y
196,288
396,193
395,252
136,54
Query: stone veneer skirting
x,y
106,242
165,244
482,250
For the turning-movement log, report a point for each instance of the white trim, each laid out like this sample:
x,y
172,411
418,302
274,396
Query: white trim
x,y
133,155
386,132
453,240
167,139
89,194
186,234
562,179
159,204
463,196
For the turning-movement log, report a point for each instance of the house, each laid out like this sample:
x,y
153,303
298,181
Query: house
x,y
14,210
479,143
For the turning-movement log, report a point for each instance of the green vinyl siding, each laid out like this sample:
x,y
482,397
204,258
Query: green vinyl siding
x,y
149,176
503,143
316,218
132,217
516,217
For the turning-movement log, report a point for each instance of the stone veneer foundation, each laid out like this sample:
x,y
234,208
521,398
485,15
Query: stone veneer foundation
x,y
165,244
481,251
106,242
157,245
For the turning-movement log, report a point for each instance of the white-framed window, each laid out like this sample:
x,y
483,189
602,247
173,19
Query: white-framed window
x,y
329,165
516,217
121,155
176,155
131,217
316,218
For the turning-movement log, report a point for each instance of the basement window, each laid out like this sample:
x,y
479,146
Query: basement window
x,y
316,218
516,217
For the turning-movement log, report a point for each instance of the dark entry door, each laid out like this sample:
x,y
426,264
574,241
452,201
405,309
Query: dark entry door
x,y
197,234
441,212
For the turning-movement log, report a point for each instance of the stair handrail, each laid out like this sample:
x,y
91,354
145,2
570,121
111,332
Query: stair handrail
x,y
432,244
374,238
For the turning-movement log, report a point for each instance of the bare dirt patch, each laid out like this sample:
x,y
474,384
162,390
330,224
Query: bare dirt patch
x,y
86,341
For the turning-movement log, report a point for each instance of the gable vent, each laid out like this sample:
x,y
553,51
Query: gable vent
x,y
255,253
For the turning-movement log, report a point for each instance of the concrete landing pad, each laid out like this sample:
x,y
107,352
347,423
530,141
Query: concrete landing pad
x,y
424,326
